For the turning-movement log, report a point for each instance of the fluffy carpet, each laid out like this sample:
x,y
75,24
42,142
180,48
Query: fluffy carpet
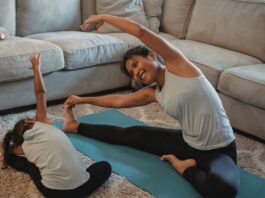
x,y
251,154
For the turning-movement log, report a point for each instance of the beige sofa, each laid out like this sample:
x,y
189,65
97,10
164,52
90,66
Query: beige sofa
x,y
224,38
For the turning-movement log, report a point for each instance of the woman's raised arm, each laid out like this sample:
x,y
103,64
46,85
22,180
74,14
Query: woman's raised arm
x,y
171,55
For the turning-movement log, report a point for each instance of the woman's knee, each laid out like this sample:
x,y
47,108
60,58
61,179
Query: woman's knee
x,y
226,190
224,177
225,187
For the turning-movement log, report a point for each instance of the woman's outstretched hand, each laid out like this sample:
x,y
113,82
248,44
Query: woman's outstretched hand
x,y
94,19
35,61
72,101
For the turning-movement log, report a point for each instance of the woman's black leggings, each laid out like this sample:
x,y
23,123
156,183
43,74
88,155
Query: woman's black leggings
x,y
99,173
216,174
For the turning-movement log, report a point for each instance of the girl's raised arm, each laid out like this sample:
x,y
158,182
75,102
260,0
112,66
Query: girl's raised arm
x,y
39,89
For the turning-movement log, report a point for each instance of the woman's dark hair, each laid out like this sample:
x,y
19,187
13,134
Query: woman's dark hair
x,y
13,138
140,50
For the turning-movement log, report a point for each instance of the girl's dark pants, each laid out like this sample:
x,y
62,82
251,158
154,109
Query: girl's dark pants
x,y
99,173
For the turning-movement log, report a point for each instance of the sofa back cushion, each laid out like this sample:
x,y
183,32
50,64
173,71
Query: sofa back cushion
x,y
153,11
130,9
175,16
233,24
36,16
88,9
8,15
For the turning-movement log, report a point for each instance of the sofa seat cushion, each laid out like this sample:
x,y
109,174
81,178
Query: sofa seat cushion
x,y
133,41
84,49
246,83
14,58
213,60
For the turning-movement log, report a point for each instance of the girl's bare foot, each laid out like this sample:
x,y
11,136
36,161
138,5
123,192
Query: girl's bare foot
x,y
179,165
70,124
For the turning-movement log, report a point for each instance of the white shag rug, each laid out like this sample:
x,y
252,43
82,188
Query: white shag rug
x,y
14,184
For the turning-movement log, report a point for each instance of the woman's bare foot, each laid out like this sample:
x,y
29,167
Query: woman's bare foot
x,y
179,165
70,124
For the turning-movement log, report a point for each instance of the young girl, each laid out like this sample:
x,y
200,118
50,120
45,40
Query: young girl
x,y
47,155
204,151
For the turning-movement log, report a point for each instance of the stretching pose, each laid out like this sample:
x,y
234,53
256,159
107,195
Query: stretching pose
x,y
47,155
204,151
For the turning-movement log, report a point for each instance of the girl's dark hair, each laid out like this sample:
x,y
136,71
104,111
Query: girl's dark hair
x,y
140,50
13,138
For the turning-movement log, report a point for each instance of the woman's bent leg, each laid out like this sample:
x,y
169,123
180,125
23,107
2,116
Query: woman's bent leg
x,y
217,176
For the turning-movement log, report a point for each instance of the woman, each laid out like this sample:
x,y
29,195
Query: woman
x,y
204,151
48,156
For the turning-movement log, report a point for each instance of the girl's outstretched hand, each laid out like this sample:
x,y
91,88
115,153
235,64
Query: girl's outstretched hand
x,y
94,19
35,61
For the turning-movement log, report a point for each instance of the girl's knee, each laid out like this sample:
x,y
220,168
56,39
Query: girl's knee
x,y
105,168
106,165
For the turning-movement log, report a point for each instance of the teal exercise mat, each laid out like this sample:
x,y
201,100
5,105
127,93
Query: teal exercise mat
x,y
147,170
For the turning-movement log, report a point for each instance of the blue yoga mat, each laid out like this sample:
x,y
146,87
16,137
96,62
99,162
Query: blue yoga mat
x,y
147,170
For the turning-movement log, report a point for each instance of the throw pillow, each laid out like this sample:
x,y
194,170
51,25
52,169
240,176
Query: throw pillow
x,y
4,34
130,9
153,10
